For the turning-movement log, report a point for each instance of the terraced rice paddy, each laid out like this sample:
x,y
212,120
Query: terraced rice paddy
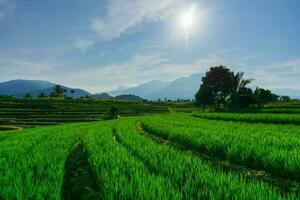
x,y
174,156
41,112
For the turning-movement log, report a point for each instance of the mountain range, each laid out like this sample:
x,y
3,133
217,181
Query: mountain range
x,y
181,88
19,88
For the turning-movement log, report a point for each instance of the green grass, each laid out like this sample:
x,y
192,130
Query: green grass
x,y
188,173
116,161
32,162
121,175
268,110
274,148
252,117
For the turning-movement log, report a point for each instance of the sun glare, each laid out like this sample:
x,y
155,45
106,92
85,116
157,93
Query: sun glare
x,y
187,20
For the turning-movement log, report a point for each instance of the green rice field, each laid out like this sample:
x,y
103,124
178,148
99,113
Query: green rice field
x,y
162,152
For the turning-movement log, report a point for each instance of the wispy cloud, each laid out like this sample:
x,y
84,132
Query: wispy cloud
x,y
20,68
83,44
140,68
283,74
6,6
123,15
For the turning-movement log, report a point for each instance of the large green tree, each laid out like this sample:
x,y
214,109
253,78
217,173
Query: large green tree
x,y
204,97
217,82
221,87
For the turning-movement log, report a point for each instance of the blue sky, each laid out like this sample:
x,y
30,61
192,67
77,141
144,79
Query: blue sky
x,y
100,45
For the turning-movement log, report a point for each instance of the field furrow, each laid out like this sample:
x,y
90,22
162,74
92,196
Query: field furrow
x,y
79,182
120,174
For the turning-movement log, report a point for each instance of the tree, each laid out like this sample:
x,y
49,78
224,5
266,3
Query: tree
x,y
238,82
113,114
240,92
28,96
244,98
264,96
42,95
285,98
216,86
204,97
58,91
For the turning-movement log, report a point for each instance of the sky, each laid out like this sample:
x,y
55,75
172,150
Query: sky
x,y
101,45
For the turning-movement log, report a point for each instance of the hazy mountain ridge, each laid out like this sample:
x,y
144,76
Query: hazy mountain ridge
x,y
144,90
23,86
181,88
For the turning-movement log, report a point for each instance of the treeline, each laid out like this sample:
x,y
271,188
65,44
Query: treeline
x,y
222,89
58,92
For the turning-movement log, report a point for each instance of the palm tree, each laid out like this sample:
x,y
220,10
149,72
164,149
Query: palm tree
x,y
238,85
238,82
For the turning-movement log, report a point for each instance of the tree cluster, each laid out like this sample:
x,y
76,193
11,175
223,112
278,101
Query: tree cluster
x,y
222,88
58,91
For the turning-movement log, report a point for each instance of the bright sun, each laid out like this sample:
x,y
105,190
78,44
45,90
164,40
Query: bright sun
x,y
187,20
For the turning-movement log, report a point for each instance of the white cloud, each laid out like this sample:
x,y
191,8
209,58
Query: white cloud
x,y
139,69
284,74
83,45
23,68
6,6
123,15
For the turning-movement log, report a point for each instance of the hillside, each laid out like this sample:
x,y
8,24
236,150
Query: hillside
x,y
128,97
101,96
23,86
77,92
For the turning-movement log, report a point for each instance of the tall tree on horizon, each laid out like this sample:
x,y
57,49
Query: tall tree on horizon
x,y
239,89
217,82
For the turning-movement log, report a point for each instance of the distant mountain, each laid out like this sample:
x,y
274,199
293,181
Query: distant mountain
x,y
144,90
129,97
183,88
101,96
77,92
23,86
293,93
